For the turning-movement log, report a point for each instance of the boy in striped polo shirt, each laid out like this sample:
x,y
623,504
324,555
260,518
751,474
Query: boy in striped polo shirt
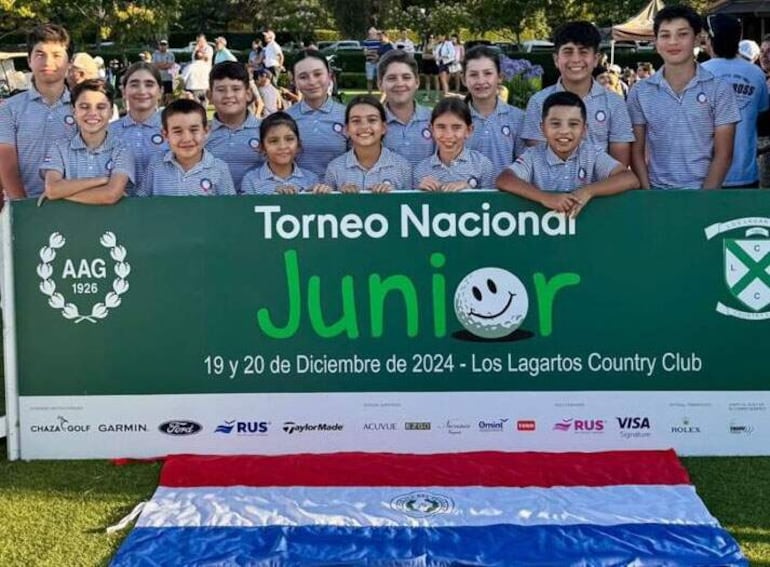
x,y
32,121
566,172
684,117
187,169
576,57
234,135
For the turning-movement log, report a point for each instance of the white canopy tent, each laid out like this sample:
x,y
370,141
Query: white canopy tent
x,y
638,28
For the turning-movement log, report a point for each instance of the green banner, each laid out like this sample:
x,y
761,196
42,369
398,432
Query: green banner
x,y
478,291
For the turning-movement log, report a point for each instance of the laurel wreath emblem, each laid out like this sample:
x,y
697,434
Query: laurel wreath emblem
x,y
69,310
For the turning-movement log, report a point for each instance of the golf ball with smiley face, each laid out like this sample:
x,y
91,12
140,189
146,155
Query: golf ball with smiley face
x,y
491,302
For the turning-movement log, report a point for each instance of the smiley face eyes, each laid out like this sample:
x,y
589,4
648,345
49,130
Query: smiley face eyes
x,y
477,292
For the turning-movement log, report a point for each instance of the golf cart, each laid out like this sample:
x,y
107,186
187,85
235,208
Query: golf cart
x,y
11,80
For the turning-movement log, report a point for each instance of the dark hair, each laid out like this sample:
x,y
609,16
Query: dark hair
x,y
678,11
725,34
579,32
182,106
482,52
95,85
310,54
275,119
47,33
141,66
452,105
229,70
396,56
365,99
563,98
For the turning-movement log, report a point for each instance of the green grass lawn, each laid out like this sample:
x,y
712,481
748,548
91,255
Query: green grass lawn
x,y
53,513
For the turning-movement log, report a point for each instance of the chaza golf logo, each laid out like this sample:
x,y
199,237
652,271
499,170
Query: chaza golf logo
x,y
746,265
491,303
95,269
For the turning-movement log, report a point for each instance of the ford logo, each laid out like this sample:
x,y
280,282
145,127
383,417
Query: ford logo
x,y
180,427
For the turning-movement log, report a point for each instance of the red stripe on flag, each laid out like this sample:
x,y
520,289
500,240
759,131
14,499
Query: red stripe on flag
x,y
487,468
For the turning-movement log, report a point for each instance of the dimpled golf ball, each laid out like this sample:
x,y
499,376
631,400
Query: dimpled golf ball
x,y
491,302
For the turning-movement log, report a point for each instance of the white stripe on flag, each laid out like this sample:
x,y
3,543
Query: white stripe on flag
x,y
424,507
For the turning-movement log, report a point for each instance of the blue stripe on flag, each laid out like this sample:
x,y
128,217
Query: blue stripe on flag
x,y
640,545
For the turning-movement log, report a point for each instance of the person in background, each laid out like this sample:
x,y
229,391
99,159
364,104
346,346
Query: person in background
x,y
270,95
723,35
221,53
164,60
371,47
196,77
404,43
207,52
81,67
445,56
456,67
272,55
256,55
749,50
763,127
644,70
429,66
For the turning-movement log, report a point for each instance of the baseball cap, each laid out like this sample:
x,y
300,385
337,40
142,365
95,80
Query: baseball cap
x,y
85,63
749,50
163,42
724,26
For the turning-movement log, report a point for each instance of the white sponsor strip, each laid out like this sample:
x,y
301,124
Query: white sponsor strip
x,y
241,506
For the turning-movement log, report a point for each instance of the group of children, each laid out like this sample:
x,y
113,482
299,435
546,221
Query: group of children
x,y
576,140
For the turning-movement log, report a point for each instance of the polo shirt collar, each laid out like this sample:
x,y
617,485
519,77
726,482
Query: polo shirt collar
x,y
552,159
250,122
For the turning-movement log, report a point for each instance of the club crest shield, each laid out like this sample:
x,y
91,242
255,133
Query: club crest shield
x,y
747,268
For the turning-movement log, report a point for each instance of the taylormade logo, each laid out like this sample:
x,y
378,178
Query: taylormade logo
x,y
291,427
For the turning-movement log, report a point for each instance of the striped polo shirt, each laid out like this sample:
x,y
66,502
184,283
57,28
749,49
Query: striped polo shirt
x,y
262,180
165,177
470,166
31,126
237,147
608,120
321,133
412,140
548,172
498,136
75,160
680,127
391,168
144,139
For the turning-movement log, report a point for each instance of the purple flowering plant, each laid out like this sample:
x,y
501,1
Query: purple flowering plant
x,y
521,78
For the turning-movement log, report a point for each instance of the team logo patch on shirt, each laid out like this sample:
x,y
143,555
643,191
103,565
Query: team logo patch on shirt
x,y
506,131
581,173
473,182
109,165
426,133
157,139
69,120
206,184
253,143
601,116
337,127
701,98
